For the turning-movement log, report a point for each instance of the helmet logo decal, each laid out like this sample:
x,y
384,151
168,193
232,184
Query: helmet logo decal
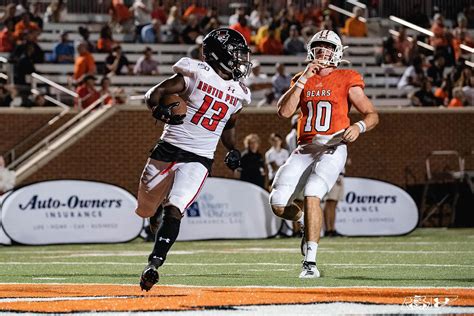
x,y
222,36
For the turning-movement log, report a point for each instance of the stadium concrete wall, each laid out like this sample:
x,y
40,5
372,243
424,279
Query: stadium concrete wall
x,y
117,149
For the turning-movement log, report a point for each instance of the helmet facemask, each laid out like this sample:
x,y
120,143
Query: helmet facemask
x,y
324,53
243,66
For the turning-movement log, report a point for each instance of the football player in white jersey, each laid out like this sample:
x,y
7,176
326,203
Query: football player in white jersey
x,y
182,158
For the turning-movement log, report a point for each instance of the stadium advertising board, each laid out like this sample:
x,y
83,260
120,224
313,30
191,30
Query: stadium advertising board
x,y
4,239
70,211
228,209
375,208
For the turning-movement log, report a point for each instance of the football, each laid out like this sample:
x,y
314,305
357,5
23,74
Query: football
x,y
172,99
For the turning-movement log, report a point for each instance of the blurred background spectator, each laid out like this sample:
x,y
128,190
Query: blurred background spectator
x,y
195,51
174,26
458,98
191,30
151,33
424,96
275,157
63,52
354,27
294,44
116,61
105,41
413,75
146,65
85,34
55,12
242,27
87,94
252,168
436,70
7,39
280,81
84,63
115,95
258,83
7,93
142,14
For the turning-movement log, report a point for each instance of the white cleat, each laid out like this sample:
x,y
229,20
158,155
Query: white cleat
x,y
309,271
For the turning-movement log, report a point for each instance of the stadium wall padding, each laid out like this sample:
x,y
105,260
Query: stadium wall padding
x,y
117,149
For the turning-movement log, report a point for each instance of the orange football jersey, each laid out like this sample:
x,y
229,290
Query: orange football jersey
x,y
324,103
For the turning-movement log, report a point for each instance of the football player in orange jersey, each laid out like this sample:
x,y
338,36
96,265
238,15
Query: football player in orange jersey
x,y
324,95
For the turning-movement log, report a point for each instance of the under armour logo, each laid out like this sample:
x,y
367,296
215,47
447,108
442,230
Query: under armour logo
x,y
167,240
309,248
230,88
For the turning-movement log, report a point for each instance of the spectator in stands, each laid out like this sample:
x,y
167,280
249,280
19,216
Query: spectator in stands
x,y
424,96
464,78
174,26
87,94
146,65
284,30
252,165
55,12
63,52
191,30
239,11
403,47
458,98
468,91
413,75
84,63
354,27
324,12
35,14
259,17
7,177
280,81
210,21
116,95
461,36
195,9
276,156
25,25
28,38
441,39
294,45
258,83
37,100
151,33
7,93
142,13
121,19
116,61
418,17
85,34
436,71
270,44
195,52
105,41
10,15
242,28
25,65
158,11
7,40
444,93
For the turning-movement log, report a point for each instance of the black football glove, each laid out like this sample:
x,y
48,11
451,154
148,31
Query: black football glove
x,y
232,159
163,113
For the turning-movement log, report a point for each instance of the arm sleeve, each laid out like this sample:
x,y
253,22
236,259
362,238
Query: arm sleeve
x,y
186,67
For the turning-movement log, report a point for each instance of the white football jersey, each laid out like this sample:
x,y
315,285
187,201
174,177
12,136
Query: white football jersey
x,y
211,101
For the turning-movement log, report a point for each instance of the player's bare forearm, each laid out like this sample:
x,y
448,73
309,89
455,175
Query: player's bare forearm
x,y
362,103
288,103
174,84
228,135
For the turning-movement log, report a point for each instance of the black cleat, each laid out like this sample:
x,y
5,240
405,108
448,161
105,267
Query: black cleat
x,y
149,277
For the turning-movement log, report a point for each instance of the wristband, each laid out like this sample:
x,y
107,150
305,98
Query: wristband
x,y
302,79
362,126
299,84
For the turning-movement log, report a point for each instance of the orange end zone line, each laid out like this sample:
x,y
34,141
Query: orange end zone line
x,y
60,298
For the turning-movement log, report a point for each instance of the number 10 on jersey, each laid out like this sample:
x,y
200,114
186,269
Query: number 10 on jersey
x,y
322,123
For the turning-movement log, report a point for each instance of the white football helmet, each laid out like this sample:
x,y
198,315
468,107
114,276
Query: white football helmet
x,y
326,56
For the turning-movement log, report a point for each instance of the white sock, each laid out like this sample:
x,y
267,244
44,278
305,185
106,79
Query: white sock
x,y
311,249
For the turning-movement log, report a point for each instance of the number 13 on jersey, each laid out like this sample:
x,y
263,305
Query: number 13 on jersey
x,y
321,122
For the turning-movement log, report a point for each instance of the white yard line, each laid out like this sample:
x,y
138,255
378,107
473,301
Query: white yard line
x,y
349,265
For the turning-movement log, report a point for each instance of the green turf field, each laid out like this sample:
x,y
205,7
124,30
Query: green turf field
x,y
426,257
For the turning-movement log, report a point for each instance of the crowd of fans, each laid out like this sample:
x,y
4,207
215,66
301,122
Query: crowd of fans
x,y
269,32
